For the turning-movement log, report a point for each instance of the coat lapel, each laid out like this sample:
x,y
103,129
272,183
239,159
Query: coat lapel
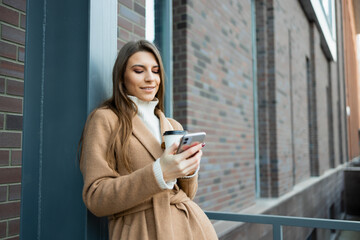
x,y
147,139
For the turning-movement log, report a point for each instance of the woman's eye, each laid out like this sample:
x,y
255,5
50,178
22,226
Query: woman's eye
x,y
156,71
138,71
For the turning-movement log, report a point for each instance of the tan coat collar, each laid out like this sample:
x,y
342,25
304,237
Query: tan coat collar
x,y
141,132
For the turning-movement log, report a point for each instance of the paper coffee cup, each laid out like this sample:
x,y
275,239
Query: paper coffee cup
x,y
171,137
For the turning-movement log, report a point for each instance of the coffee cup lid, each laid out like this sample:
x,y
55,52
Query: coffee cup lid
x,y
176,132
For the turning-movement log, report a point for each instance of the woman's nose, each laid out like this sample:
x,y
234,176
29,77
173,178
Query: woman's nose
x,y
150,76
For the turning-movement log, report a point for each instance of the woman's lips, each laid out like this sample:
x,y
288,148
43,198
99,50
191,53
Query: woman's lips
x,y
148,89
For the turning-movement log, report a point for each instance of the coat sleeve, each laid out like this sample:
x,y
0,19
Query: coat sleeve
x,y
105,192
188,185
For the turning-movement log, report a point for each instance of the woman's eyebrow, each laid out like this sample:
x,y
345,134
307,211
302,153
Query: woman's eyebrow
x,y
137,65
140,65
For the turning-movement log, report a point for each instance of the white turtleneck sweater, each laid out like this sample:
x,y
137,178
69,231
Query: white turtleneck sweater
x,y
146,112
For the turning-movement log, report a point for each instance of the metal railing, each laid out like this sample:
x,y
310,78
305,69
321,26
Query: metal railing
x,y
278,221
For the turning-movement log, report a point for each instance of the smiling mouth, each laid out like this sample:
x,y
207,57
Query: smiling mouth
x,y
147,88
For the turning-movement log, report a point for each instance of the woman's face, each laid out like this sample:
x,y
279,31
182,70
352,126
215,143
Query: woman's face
x,y
142,76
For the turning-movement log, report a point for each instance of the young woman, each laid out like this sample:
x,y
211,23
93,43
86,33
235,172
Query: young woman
x,y
145,191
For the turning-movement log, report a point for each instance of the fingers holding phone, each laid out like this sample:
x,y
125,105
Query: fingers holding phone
x,y
186,159
190,140
191,151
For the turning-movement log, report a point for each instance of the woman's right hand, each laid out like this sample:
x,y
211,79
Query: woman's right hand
x,y
180,165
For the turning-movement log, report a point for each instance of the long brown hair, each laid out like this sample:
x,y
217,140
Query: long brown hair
x,y
122,105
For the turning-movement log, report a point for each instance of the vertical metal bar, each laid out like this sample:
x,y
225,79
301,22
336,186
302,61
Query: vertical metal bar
x,y
163,39
277,232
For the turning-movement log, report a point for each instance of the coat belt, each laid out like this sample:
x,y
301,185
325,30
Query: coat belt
x,y
159,203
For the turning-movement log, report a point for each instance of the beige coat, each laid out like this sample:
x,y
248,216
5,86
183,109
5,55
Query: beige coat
x,y
136,205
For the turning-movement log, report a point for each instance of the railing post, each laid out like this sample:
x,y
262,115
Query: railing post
x,y
277,232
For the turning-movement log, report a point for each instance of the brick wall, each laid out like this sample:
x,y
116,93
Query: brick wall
x,y
292,50
131,21
284,81
312,114
340,81
266,101
213,92
210,69
296,117
12,41
321,83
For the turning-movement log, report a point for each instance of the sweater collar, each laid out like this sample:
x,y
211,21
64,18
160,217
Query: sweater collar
x,y
145,108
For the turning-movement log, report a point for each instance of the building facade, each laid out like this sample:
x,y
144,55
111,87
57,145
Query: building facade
x,y
269,81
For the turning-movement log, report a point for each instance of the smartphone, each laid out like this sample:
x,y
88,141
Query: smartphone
x,y
189,140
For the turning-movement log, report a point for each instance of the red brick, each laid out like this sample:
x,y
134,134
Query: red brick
x,y
8,104
16,157
13,34
15,88
124,35
9,16
9,210
14,192
17,4
4,157
11,69
3,193
13,122
14,227
21,54
142,23
7,50
128,3
2,85
124,23
139,9
2,229
10,175
141,2
139,31
10,139
2,117
22,21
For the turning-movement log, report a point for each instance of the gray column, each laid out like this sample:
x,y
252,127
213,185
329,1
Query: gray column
x,y
70,48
